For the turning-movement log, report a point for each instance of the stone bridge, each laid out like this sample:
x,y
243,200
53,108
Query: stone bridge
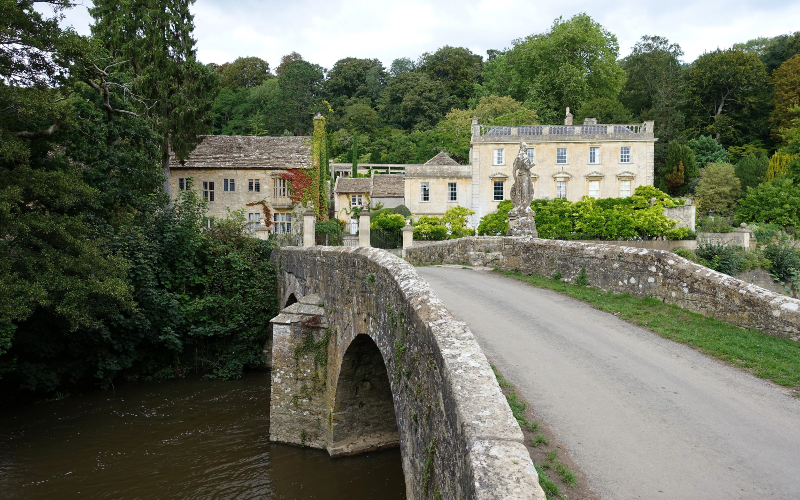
x,y
365,356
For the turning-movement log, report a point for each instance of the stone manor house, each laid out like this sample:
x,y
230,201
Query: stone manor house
x,y
570,161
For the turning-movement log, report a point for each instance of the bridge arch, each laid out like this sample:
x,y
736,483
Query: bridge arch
x,y
365,316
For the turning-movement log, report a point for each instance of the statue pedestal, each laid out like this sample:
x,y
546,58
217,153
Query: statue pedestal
x,y
522,224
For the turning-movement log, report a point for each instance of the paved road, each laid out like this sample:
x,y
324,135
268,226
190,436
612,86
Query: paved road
x,y
643,417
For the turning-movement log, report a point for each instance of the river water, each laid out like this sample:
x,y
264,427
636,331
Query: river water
x,y
188,438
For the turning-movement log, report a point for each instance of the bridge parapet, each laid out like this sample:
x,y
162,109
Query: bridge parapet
x,y
637,271
387,335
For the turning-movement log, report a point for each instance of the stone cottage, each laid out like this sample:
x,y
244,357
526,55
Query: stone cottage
x,y
235,172
350,192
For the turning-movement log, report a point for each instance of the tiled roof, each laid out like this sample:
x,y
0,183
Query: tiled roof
x,y
387,186
441,159
348,185
239,151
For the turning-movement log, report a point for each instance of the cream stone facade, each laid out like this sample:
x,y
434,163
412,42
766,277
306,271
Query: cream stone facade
x,y
570,161
439,184
379,190
240,172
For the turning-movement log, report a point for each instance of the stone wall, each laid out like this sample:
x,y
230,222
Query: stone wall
x,y
456,433
642,272
684,214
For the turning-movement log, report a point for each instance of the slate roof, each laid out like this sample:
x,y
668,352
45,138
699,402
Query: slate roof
x,y
239,151
387,186
441,159
348,185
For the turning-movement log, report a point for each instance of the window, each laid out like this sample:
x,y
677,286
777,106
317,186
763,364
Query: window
x,y
498,157
279,188
208,191
561,155
424,191
356,200
561,189
183,183
624,189
253,221
283,222
594,155
254,185
531,154
625,154
594,189
498,191
208,222
228,185
452,190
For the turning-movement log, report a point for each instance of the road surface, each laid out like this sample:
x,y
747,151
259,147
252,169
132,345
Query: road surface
x,y
644,417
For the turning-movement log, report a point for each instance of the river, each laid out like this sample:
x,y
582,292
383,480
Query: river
x,y
189,438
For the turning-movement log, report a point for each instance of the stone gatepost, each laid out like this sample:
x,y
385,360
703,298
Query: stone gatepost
x,y
309,228
408,238
363,229
298,401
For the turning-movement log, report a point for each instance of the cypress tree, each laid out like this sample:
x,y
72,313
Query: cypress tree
x,y
354,155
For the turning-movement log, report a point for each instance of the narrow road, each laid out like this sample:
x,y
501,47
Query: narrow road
x,y
644,417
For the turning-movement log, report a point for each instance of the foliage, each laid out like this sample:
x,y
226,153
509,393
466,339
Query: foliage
x,y
727,92
784,256
414,101
455,218
720,257
774,202
244,72
707,150
778,165
574,62
388,221
606,110
751,170
300,185
496,223
786,81
457,67
430,228
718,189
677,155
319,171
153,42
714,225
300,93
353,79
287,61
681,233
402,210
765,233
330,227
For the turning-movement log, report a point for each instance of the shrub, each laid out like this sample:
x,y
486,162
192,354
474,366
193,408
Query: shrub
x,y
496,223
774,202
388,221
752,259
455,219
402,210
715,225
784,258
689,255
433,232
751,170
331,227
718,189
681,233
720,257
765,233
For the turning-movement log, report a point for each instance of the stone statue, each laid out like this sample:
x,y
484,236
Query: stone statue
x,y
521,218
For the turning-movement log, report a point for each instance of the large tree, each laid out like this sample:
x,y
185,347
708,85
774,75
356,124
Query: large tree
x,y
153,41
457,67
727,96
244,72
301,88
786,80
572,63
353,78
414,101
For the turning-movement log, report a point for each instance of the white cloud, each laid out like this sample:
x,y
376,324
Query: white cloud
x,y
326,31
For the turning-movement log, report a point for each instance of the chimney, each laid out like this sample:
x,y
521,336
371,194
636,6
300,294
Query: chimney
x,y
568,119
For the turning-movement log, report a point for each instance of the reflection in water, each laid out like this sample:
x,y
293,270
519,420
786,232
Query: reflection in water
x,y
182,439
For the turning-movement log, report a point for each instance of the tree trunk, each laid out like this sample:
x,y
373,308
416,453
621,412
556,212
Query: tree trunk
x,y
165,169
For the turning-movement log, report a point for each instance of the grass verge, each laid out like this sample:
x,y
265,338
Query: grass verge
x,y
765,356
544,459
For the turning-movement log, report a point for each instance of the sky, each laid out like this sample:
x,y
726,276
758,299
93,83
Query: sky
x,y
324,31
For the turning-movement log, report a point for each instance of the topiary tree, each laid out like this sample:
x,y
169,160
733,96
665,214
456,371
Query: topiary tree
x,y
402,210
718,188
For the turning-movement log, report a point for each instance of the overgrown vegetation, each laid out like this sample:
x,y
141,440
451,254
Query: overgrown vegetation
x,y
765,356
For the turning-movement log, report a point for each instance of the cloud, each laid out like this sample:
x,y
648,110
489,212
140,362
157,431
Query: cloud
x,y
326,31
